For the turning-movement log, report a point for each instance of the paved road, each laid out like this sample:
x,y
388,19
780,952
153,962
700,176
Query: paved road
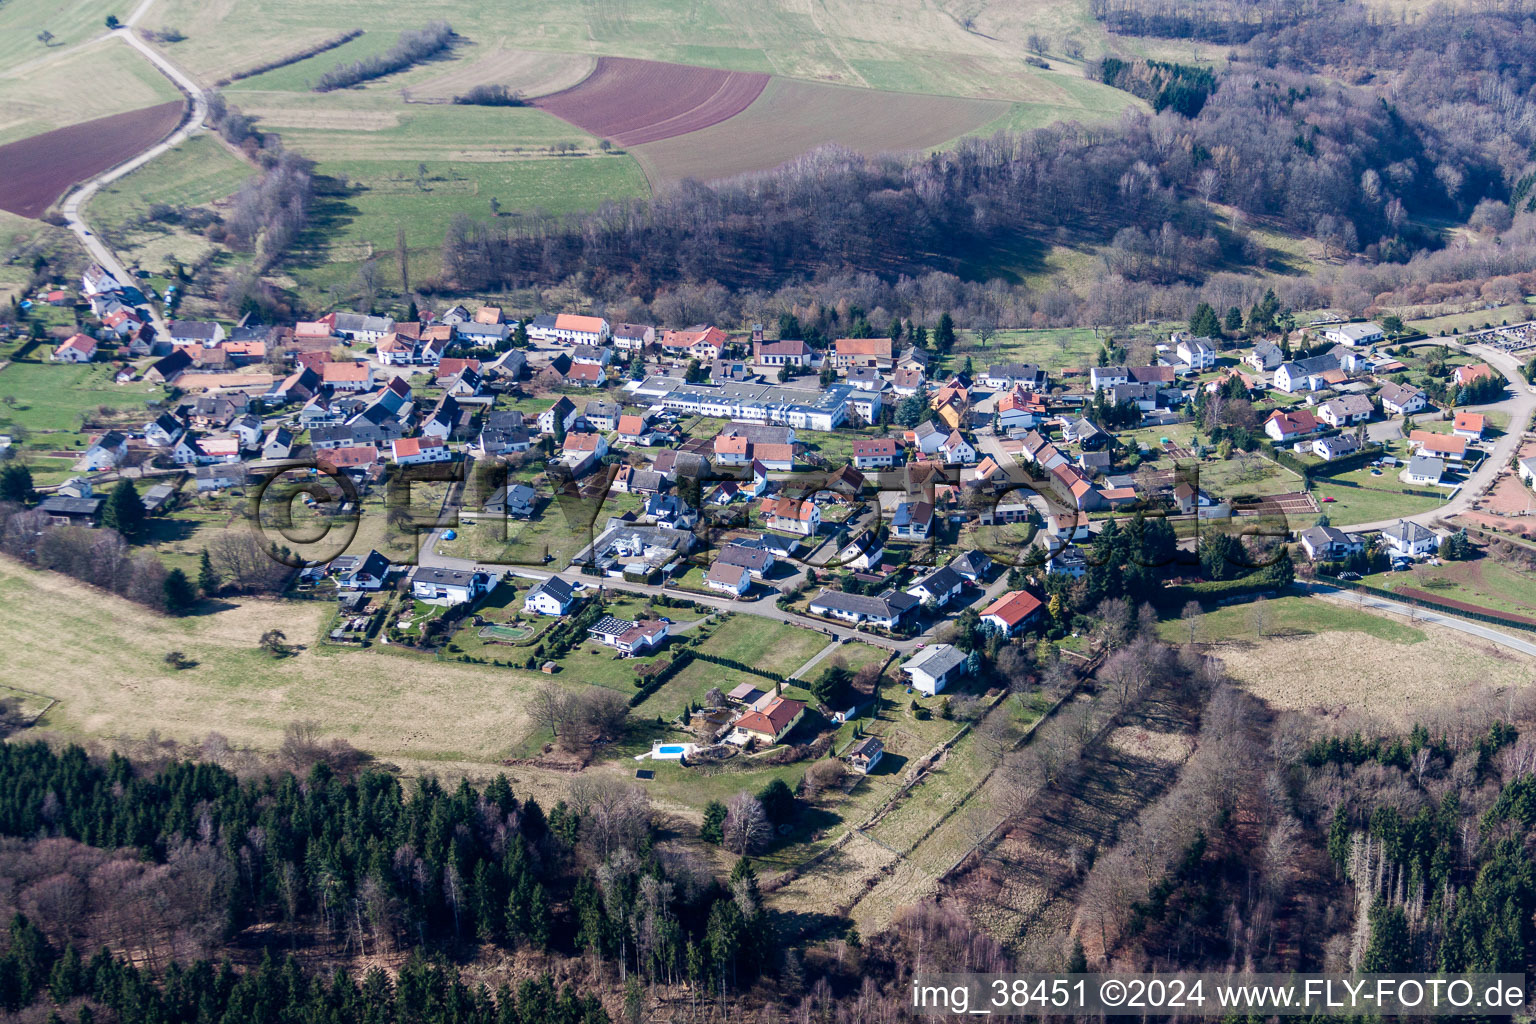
x,y
192,124
1519,407
1477,629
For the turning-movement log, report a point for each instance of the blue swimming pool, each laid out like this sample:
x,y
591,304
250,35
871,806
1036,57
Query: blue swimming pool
x,y
669,750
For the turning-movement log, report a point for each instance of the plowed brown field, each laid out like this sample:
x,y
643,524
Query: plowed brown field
x,y
38,170
633,101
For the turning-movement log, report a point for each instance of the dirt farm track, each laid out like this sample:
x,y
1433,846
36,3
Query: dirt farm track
x,y
36,171
632,101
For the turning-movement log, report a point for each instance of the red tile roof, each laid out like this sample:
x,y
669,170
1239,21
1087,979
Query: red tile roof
x,y
1014,608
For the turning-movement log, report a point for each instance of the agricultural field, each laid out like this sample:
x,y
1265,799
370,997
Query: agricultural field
x,y
119,685
40,169
200,171
792,117
906,46
634,101
31,97
1333,656
525,72
197,172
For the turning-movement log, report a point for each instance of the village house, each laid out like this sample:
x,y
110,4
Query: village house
x,y
865,754
633,337
789,352
702,342
1285,426
933,668
1446,446
359,327
1305,374
1007,376
63,510
1424,469
1346,410
569,329
876,453
164,430
769,725
79,348
204,333
449,587
348,376
757,560
912,520
354,572
1196,353
553,596
1464,375
513,501
974,566
1354,335
409,451
1266,355
562,412
956,450
634,429
1469,425
1328,544
1402,399
1012,612
728,579
940,587
1407,539
865,551
221,477
850,352
1335,447
798,516
887,610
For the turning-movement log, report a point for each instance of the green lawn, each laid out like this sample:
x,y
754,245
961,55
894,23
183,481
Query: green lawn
x,y
1246,476
1475,320
775,647
54,396
1484,581
1287,615
198,171
1371,498
1054,349
526,543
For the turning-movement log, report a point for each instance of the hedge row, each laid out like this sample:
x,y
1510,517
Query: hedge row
x,y
292,58
683,659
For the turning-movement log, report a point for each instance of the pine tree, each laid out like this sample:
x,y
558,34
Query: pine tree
x,y
207,579
180,595
1234,321
15,483
1203,323
124,511
713,829
944,333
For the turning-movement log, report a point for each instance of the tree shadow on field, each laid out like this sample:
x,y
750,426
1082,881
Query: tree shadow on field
x,y
331,211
